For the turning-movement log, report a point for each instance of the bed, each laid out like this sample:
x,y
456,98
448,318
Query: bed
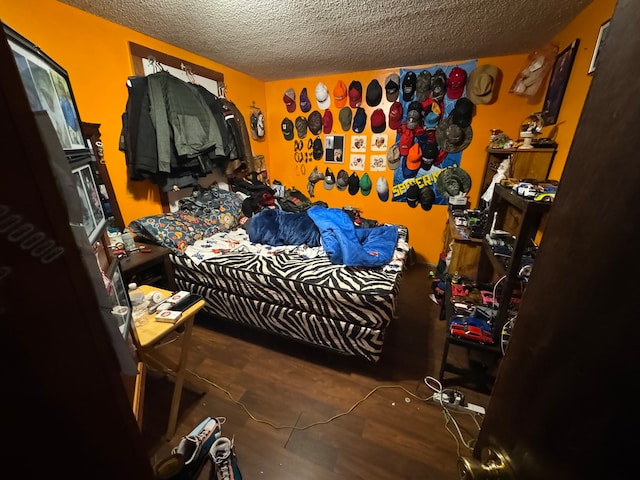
x,y
295,290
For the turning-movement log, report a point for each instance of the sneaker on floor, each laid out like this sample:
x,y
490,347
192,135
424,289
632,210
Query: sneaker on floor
x,y
194,447
225,462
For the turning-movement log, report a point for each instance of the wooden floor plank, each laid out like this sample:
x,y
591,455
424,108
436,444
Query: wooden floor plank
x,y
393,433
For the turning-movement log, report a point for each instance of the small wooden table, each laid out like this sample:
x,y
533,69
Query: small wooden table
x,y
148,340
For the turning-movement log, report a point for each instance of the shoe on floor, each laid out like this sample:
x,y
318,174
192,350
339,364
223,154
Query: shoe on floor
x,y
194,447
225,462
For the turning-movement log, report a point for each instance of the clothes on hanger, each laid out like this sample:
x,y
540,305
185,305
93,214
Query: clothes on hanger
x,y
174,132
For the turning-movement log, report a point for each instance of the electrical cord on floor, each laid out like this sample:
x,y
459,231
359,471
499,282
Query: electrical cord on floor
x,y
448,413
322,422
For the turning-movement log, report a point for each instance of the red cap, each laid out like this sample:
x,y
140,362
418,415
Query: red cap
x,y
289,99
327,121
406,140
378,121
395,115
456,81
355,94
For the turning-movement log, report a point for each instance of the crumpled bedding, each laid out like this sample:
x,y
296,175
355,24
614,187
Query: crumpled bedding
x,y
341,241
330,227
354,247
278,227
232,242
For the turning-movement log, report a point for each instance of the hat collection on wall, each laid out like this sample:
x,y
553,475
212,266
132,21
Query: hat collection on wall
x,y
430,110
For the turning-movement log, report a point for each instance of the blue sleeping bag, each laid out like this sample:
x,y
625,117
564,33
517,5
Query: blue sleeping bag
x,y
355,247
278,227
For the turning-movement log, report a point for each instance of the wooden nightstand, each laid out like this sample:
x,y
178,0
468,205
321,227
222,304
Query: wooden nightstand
x,y
149,266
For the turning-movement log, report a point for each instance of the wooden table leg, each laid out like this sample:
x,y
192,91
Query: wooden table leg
x,y
179,380
138,393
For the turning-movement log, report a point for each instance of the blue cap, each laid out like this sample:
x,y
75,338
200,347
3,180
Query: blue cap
x,y
359,120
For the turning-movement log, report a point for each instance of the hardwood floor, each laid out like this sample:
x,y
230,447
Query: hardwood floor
x,y
389,435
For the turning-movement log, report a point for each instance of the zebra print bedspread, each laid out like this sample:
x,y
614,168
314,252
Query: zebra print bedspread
x,y
345,309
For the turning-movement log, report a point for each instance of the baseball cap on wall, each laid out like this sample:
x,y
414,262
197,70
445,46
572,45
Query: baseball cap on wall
x,y
393,157
318,149
287,129
365,185
455,83
395,115
408,86
438,85
354,183
426,197
289,99
340,94
378,121
374,93
462,112
413,161
392,87
322,96
345,117
413,195
359,120
382,188
327,121
423,85
305,103
314,122
329,179
355,94
301,126
342,181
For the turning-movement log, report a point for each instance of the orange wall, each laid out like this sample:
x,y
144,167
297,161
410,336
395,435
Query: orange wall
x,y
95,54
506,113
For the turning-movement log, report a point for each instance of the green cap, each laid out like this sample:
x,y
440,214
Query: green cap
x,y
365,185
345,118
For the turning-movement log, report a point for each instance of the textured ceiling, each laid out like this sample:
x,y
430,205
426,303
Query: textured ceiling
x,y
283,39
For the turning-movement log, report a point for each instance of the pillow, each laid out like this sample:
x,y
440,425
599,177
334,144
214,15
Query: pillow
x,y
175,231
206,212
203,202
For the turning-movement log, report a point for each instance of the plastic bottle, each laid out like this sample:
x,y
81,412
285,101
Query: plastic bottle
x,y
139,305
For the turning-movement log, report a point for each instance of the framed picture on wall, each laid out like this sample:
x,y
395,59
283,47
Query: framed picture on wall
x,y
119,296
334,148
48,89
602,37
93,217
558,83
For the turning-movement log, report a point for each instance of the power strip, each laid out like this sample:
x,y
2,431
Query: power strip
x,y
457,402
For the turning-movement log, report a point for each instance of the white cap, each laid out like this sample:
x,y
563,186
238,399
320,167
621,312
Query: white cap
x,y
322,96
382,187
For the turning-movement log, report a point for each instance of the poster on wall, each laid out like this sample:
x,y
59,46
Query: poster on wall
x,y
428,97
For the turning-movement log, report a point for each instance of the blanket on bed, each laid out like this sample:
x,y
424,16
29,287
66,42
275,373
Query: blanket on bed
x,y
354,247
330,227
277,227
